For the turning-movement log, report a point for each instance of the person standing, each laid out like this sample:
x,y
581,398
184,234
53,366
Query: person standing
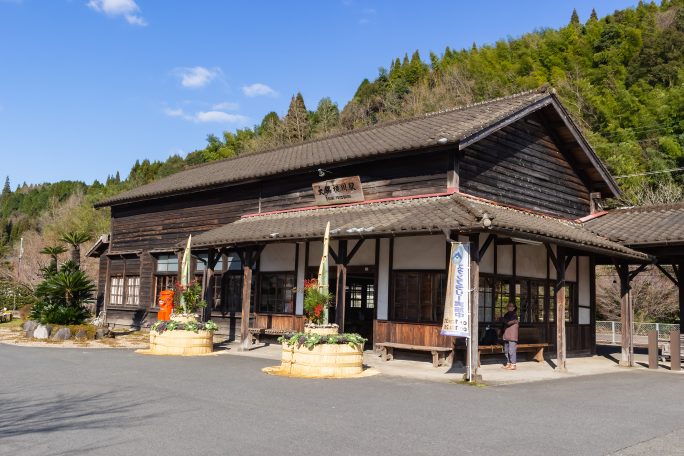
x,y
510,336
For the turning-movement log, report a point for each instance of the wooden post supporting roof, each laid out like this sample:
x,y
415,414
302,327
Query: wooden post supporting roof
x,y
560,263
561,345
249,259
679,271
626,316
245,340
208,294
341,289
474,305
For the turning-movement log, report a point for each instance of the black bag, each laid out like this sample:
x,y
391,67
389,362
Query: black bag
x,y
490,337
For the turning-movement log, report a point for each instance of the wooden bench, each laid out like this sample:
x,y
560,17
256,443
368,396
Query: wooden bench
x,y
440,355
529,341
256,333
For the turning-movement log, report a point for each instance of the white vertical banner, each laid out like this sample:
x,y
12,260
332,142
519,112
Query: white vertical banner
x,y
457,304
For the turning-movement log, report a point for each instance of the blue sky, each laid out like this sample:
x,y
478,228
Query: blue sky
x,y
89,86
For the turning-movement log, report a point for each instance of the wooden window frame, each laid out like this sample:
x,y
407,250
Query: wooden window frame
x,y
120,287
392,314
258,303
124,291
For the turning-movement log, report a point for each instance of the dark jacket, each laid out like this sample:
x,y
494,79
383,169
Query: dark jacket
x,y
511,325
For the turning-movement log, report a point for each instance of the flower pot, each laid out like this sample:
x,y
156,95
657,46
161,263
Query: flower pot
x,y
322,361
185,318
323,330
181,342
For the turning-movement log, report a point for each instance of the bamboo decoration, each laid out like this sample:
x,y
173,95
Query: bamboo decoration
x,y
323,269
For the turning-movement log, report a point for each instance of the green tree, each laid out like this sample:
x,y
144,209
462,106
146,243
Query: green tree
x,y
296,121
53,252
327,116
75,239
574,18
6,189
593,16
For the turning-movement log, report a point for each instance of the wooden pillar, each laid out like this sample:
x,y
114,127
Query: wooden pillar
x,y
626,317
341,289
679,271
675,351
560,312
474,304
653,349
245,339
107,290
208,291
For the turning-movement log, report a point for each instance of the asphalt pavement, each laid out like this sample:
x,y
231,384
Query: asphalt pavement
x,y
115,402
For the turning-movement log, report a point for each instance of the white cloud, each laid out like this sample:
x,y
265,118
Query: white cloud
x,y
196,77
127,9
220,117
258,89
213,116
366,15
226,106
174,112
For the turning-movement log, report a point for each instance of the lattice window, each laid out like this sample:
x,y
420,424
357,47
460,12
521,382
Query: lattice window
x,y
116,291
133,291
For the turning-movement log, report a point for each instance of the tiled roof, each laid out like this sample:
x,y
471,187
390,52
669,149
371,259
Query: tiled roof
x,y
408,134
660,225
411,215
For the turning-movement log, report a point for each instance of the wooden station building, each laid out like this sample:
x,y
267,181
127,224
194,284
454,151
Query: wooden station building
x,y
513,176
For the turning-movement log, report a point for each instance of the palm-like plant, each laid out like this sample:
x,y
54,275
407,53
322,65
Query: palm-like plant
x,y
75,239
53,251
62,296
70,287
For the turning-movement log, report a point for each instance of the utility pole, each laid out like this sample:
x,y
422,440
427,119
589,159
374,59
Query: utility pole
x,y
17,275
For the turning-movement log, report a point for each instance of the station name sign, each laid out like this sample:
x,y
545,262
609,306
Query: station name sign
x,y
338,191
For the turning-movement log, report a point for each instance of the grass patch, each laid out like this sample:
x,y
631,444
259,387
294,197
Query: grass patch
x,y
467,383
14,324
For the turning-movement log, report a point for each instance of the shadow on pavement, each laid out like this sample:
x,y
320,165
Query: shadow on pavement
x,y
21,417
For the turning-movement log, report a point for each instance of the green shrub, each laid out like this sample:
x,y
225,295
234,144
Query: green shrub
x,y
9,290
62,296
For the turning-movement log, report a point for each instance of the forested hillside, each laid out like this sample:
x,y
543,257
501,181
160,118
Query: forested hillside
x,y
621,76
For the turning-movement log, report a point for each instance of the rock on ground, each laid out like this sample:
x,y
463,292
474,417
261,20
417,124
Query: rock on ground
x,y
29,325
62,334
42,332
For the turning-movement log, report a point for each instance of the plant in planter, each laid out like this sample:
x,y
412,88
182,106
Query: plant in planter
x,y
183,334
187,301
310,340
316,301
312,354
194,326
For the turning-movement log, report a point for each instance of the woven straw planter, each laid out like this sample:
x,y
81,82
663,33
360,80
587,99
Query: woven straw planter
x,y
181,343
324,360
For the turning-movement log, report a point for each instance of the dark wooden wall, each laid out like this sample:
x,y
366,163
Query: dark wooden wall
x,y
162,223
522,166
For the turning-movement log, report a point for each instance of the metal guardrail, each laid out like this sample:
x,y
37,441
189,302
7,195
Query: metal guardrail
x,y
610,332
